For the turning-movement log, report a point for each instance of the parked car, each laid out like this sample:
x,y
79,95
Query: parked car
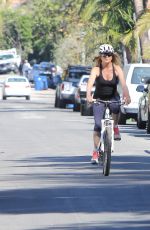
x,y
16,86
50,71
54,81
143,117
80,103
8,67
65,92
9,61
148,120
135,74
48,67
80,92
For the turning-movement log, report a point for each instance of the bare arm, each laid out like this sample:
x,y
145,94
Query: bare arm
x,y
124,87
94,73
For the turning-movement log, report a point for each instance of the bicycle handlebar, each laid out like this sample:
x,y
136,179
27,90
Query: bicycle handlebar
x,y
121,102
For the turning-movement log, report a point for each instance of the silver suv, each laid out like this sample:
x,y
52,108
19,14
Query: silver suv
x,y
65,92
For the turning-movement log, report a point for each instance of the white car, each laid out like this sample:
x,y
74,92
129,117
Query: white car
x,y
135,75
80,92
143,117
80,103
16,86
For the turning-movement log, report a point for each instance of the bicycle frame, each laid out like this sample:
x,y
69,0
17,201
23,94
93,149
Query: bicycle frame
x,y
107,122
106,146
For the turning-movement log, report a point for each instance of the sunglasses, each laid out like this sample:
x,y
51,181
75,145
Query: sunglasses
x,y
107,55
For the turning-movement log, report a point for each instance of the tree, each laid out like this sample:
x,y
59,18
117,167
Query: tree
x,y
139,7
46,25
111,21
143,27
17,30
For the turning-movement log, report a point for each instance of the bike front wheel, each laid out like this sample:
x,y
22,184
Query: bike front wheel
x,y
107,151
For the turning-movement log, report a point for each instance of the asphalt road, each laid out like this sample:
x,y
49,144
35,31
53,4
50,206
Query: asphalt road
x,y
47,181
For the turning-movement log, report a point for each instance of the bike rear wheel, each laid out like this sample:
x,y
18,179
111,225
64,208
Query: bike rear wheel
x,y
107,151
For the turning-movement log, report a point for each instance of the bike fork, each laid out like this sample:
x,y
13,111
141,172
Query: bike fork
x,y
102,135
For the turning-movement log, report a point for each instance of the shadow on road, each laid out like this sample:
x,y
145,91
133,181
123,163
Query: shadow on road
x,y
75,186
132,130
133,225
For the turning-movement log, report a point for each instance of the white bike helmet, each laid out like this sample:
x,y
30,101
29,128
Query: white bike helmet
x,y
106,48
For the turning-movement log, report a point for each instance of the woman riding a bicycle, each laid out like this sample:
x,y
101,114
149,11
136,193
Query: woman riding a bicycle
x,y
106,75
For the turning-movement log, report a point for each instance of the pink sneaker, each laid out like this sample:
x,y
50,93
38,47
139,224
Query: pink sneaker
x,y
117,135
95,156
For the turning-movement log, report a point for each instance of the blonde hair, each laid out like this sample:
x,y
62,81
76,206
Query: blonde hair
x,y
115,59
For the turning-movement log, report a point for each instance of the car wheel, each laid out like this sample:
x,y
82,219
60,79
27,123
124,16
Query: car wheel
x,y
56,102
122,119
82,110
4,98
28,98
148,123
140,124
61,103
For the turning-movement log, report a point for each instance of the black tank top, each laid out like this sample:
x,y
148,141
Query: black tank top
x,y
105,89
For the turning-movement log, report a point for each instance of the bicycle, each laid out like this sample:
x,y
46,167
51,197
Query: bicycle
x,y
106,146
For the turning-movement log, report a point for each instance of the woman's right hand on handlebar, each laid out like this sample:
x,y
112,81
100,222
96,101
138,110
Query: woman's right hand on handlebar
x,y
89,99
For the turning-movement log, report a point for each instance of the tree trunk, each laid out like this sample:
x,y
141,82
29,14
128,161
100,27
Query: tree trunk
x,y
148,4
139,7
148,32
148,9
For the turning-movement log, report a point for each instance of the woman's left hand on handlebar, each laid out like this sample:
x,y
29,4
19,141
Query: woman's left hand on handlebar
x,y
127,100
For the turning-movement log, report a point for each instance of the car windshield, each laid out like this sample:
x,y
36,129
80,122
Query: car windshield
x,y
6,56
16,80
76,75
85,80
45,68
48,74
140,74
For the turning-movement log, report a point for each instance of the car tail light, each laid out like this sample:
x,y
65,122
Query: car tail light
x,y
78,93
62,86
7,86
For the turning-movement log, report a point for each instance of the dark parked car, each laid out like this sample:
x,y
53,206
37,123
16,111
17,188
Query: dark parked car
x,y
50,71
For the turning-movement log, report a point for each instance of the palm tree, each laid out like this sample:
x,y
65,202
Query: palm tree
x,y
142,27
109,20
139,7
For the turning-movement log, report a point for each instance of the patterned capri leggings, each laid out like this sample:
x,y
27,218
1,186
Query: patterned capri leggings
x,y
98,112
